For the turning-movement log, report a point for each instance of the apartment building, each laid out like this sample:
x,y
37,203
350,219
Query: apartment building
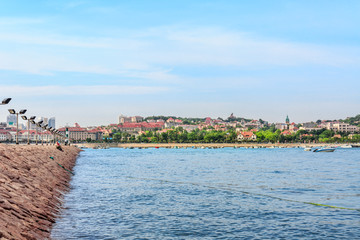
x,y
133,119
341,127
78,133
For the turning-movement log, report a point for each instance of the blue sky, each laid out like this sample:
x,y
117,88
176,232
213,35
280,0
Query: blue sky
x,y
90,61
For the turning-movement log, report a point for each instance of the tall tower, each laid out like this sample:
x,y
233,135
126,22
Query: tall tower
x,y
287,121
51,122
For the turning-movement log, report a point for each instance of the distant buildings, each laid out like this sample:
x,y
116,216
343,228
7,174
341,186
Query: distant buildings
x,y
281,126
9,134
246,136
189,128
173,123
253,124
138,127
5,135
341,127
134,119
11,120
135,125
124,119
51,122
78,133
309,125
44,119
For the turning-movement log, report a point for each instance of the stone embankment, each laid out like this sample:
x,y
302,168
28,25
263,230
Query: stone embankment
x,y
31,188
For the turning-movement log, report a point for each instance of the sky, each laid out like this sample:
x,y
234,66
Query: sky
x,y
90,61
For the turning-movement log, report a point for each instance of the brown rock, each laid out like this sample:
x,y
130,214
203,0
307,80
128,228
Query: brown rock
x,y
30,187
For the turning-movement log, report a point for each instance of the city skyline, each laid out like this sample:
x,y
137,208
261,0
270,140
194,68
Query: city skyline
x,y
90,61
123,118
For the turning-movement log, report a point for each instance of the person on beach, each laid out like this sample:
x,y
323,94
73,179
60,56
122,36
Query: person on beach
x,y
58,146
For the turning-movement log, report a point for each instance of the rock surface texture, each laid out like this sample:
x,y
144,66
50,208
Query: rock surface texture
x,y
31,188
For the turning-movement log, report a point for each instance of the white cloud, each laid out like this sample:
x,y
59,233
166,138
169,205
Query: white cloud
x,y
4,21
218,47
42,39
16,90
149,54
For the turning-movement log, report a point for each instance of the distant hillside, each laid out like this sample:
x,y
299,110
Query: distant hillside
x,y
353,120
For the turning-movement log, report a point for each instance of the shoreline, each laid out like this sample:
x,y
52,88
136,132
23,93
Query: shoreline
x,y
205,145
32,188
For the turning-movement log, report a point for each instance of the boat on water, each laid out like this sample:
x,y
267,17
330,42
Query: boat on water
x,y
346,146
308,149
324,150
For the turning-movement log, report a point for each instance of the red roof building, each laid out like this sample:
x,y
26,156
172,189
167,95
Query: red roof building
x,y
170,120
246,136
286,133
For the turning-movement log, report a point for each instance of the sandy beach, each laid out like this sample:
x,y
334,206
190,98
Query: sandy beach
x,y
31,188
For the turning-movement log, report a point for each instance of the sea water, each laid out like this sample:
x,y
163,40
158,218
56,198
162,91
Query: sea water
x,y
212,194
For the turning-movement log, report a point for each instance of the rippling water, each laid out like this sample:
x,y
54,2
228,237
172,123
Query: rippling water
x,y
212,194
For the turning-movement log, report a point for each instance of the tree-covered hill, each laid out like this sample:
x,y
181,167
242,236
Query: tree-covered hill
x,y
353,120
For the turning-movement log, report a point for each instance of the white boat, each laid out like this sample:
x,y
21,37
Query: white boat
x,y
346,146
324,150
308,149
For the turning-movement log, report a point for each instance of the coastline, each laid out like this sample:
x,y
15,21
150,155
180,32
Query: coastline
x,y
31,188
203,145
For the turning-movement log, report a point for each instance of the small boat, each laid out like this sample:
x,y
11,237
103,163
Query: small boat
x,y
324,150
346,146
308,149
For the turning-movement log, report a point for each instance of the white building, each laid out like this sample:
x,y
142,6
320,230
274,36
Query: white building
x,y
133,119
35,136
136,119
189,128
5,135
341,127
246,136
281,126
124,119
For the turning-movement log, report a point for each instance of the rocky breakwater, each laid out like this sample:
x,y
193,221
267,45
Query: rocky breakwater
x,y
31,188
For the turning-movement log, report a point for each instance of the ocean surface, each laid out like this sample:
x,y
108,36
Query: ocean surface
x,y
212,194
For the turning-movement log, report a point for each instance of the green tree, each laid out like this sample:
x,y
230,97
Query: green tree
x,y
326,134
154,140
117,137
